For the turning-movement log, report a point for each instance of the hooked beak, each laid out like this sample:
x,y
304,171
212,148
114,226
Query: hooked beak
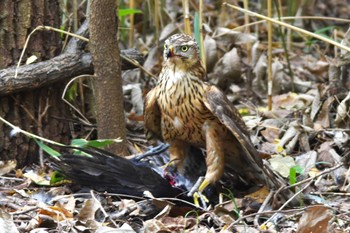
x,y
170,52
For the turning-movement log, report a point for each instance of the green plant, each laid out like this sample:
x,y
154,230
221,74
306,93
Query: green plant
x,y
231,196
122,13
293,171
321,32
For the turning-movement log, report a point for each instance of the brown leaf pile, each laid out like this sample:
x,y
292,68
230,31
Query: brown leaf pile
x,y
306,132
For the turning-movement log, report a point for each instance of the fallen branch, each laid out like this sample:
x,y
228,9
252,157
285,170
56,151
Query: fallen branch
x,y
73,62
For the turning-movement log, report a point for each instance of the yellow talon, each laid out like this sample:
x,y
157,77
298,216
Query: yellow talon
x,y
203,185
198,195
196,192
195,199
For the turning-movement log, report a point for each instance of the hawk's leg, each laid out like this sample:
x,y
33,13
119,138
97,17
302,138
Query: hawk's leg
x,y
215,159
178,151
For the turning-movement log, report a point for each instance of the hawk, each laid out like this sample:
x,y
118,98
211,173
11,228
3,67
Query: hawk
x,y
184,110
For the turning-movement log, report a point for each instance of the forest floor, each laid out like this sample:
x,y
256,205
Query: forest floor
x,y
304,137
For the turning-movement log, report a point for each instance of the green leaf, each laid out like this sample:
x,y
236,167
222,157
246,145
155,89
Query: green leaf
x,y
72,92
62,28
128,11
93,143
231,196
56,177
299,169
83,143
79,142
47,149
323,30
293,173
292,176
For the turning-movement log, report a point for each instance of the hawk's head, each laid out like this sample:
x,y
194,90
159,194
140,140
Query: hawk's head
x,y
182,51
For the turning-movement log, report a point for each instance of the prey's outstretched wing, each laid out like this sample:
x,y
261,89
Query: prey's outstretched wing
x,y
104,171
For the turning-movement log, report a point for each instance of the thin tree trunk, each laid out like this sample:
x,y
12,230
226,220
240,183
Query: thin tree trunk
x,y
108,83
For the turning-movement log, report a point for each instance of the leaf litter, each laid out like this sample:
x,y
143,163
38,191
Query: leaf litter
x,y
307,127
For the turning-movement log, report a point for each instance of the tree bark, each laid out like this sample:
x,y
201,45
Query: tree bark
x,y
108,82
38,111
60,68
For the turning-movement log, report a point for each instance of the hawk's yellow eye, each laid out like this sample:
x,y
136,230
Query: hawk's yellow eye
x,y
184,48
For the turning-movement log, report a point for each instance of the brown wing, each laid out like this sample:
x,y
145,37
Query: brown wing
x,y
216,101
222,108
152,117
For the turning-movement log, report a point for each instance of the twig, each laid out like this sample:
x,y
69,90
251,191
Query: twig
x,y
287,202
102,209
347,179
186,15
312,178
131,24
269,56
86,121
201,34
24,211
180,200
132,61
137,64
331,193
156,20
16,129
264,213
247,30
284,18
124,212
11,178
284,45
289,26
41,114
262,207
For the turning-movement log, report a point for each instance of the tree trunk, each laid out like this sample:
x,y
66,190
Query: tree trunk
x,y
108,83
40,112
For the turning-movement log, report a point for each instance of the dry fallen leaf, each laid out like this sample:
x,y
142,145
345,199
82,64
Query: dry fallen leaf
x,y
306,160
292,101
271,129
343,112
6,223
168,30
154,226
323,117
125,228
7,166
55,212
211,54
282,164
227,70
31,59
234,37
36,178
315,219
66,202
135,92
259,84
88,210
